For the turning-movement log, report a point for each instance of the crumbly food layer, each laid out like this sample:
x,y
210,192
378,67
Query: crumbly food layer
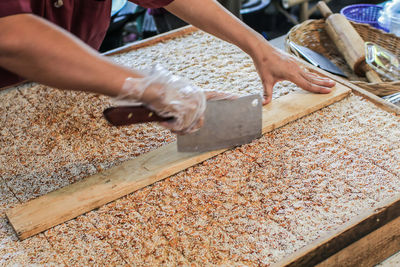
x,y
252,205
209,63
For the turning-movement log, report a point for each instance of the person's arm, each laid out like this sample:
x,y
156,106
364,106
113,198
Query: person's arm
x,y
40,51
271,64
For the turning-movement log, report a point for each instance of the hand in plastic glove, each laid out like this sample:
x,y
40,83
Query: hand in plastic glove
x,y
170,96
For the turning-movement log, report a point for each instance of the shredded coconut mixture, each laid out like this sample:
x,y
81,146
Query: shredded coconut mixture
x,y
253,205
208,62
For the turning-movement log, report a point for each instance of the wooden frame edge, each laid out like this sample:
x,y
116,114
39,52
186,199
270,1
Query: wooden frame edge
x,y
370,250
10,87
345,235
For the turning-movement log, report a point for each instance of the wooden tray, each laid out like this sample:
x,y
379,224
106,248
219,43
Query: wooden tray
x,y
339,246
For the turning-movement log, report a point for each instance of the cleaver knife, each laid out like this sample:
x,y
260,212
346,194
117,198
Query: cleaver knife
x,y
227,123
317,59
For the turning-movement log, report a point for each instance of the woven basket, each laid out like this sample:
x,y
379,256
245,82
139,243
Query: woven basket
x,y
312,34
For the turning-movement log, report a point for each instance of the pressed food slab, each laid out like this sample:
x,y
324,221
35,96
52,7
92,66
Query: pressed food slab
x,y
69,202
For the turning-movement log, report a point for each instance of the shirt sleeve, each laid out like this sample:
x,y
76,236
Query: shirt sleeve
x,y
12,7
152,3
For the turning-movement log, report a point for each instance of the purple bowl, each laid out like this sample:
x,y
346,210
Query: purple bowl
x,y
363,13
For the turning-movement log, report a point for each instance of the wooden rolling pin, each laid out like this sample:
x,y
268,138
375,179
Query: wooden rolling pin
x,y
348,41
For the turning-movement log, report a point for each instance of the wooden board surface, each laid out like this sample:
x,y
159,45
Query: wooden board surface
x,y
69,202
369,250
355,239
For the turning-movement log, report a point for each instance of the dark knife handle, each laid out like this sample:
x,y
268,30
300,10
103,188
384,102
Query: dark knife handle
x,y
125,115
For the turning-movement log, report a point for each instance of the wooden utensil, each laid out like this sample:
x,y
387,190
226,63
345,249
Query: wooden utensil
x,y
348,42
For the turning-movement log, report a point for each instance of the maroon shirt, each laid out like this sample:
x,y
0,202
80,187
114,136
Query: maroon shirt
x,y
87,19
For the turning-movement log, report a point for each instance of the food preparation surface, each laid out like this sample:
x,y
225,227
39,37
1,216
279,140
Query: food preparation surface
x,y
254,204
251,205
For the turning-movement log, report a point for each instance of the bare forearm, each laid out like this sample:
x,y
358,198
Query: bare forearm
x,y
39,51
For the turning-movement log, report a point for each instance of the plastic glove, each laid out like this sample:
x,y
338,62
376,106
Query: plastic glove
x,y
219,95
169,96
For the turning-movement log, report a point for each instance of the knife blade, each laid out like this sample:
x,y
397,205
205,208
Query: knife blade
x,y
227,123
317,59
